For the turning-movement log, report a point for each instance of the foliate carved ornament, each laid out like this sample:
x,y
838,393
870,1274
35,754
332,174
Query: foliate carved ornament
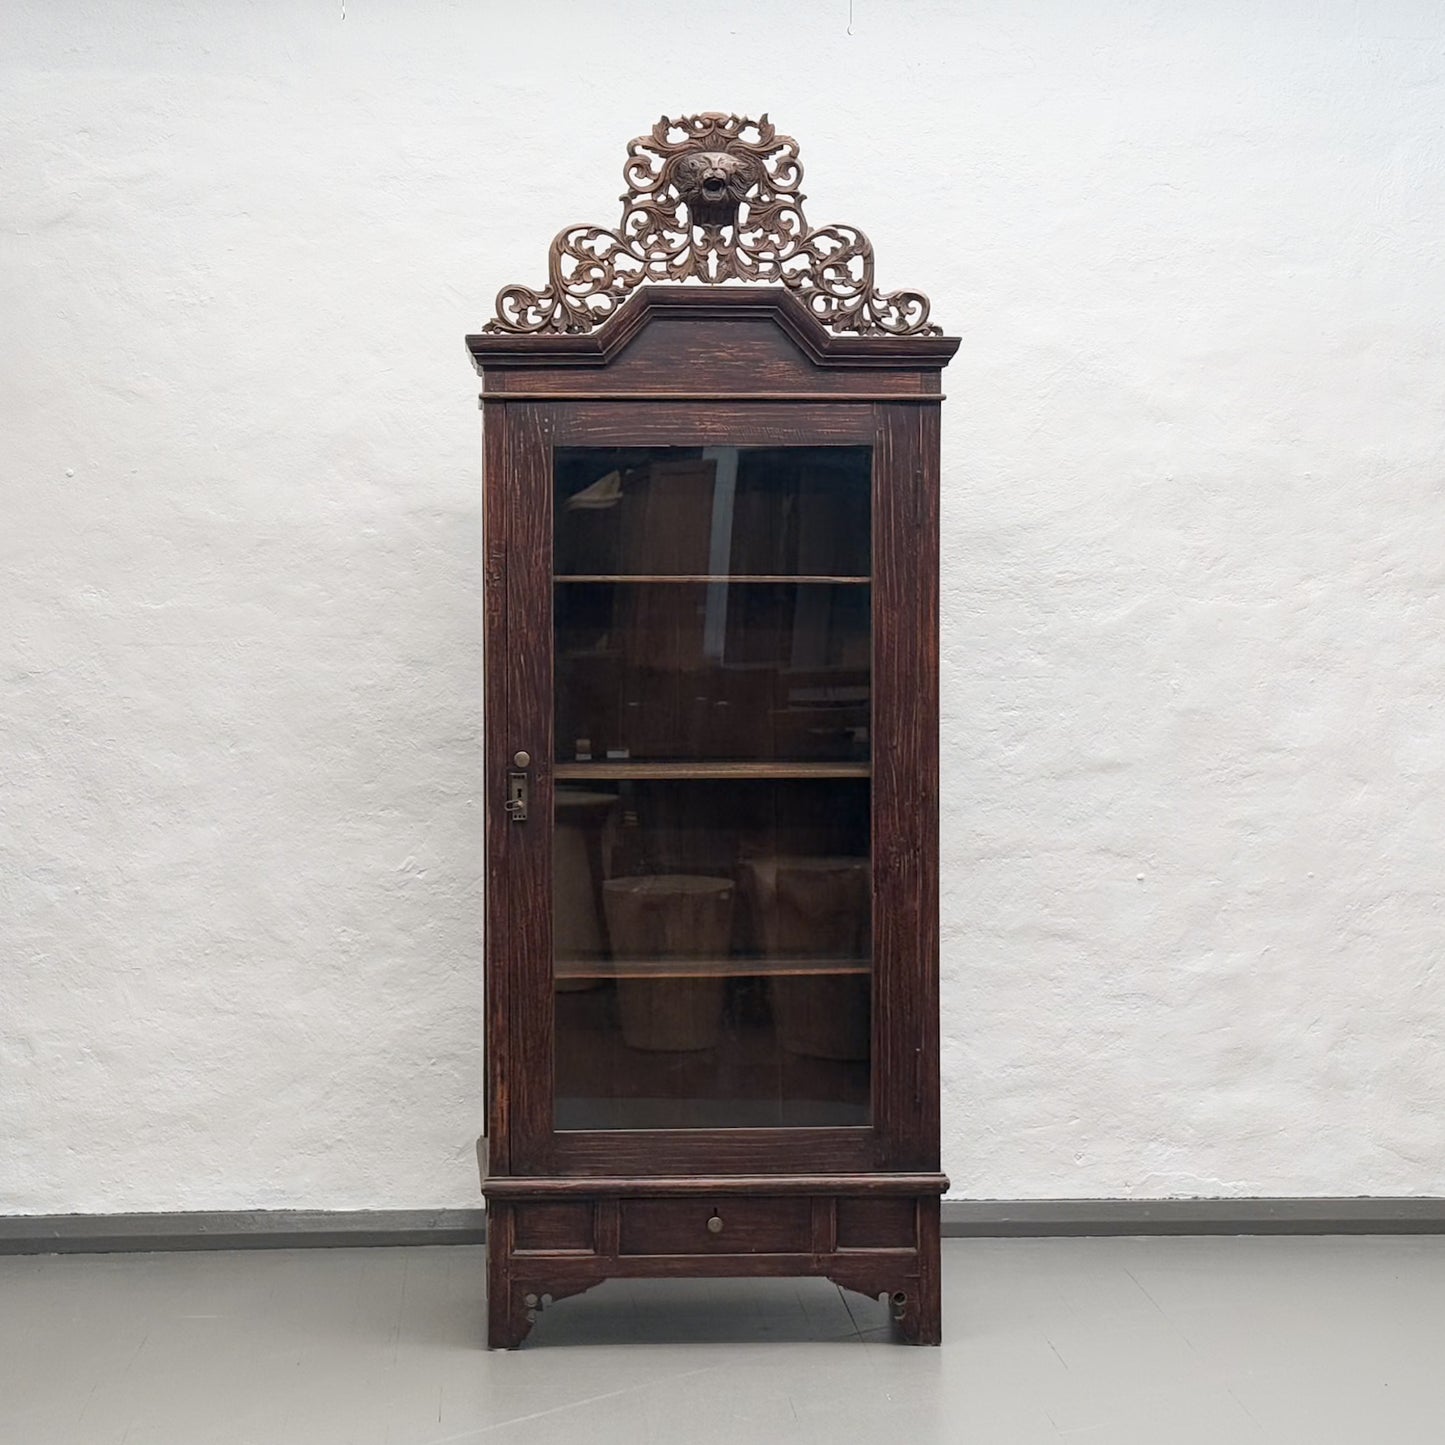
x,y
712,198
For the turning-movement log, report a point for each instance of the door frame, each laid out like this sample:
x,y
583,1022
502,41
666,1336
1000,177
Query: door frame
x,y
519,707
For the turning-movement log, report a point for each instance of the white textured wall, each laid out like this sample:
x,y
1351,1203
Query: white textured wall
x,y
1194,550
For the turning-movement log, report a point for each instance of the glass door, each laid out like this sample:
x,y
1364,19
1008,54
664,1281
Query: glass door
x,y
712,879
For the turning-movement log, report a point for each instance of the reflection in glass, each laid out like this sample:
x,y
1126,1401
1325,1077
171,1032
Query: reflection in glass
x,y
786,678
678,511
712,885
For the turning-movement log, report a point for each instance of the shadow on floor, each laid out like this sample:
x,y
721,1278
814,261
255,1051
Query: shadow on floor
x,y
736,1311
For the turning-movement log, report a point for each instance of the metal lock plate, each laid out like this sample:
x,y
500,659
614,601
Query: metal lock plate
x,y
517,797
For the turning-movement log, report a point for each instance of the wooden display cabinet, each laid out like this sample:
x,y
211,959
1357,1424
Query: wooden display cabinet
x,y
711,748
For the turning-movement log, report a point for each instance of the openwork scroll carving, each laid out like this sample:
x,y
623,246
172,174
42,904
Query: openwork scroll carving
x,y
712,198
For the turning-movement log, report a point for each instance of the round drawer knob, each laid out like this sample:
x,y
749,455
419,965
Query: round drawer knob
x,y
714,1225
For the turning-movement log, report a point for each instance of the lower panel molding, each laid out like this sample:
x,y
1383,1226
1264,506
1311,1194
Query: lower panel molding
x,y
962,1218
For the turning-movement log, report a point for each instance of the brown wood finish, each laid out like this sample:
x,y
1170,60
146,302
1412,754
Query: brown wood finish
x,y
857,1204
864,1186
761,360
538,1255
883,1222
578,771
525,874
496,674
700,1224
672,398
731,967
729,578
663,1153
505,357
554,1226
905,793
660,423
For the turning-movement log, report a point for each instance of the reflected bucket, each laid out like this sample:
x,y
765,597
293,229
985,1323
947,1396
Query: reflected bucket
x,y
816,908
669,921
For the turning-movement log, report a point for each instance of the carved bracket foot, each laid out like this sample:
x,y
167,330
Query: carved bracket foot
x,y
916,1322
916,1310
514,1309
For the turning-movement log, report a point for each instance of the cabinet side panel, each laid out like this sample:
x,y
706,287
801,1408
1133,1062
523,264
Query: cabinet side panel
x,y
905,785
928,420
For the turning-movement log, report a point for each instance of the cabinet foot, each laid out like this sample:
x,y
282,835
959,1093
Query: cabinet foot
x,y
918,1306
918,1320
916,1299
917,1313
515,1300
509,1316
511,1308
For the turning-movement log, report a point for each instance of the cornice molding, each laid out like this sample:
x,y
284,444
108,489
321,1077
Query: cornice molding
x,y
784,308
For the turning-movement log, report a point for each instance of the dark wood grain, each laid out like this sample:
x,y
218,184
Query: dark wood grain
x,y
824,1224
713,423
507,1323
551,1226
732,967
735,353
577,1187
744,1225
905,793
498,356
526,863
665,1152
673,398
728,577
922,1323
877,1222
858,1204
575,771
897,1278
496,675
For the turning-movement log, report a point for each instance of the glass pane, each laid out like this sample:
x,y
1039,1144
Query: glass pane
x,y
724,670
691,511
712,881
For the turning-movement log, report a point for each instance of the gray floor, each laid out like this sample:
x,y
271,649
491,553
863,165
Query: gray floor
x,y
1165,1341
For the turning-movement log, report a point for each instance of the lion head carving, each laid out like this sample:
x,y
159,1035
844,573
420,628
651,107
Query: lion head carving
x,y
688,183
713,184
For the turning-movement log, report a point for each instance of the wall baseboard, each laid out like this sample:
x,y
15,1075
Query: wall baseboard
x,y
962,1219
1005,1218
239,1229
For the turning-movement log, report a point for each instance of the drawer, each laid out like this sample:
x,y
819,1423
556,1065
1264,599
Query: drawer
x,y
738,1225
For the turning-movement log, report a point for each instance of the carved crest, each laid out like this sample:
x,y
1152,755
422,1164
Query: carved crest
x,y
712,198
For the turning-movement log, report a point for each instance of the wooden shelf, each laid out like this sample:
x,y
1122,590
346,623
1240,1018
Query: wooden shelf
x,y
737,967
621,768
711,577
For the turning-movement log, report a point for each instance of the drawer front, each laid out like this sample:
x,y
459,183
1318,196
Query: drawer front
x,y
703,1225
